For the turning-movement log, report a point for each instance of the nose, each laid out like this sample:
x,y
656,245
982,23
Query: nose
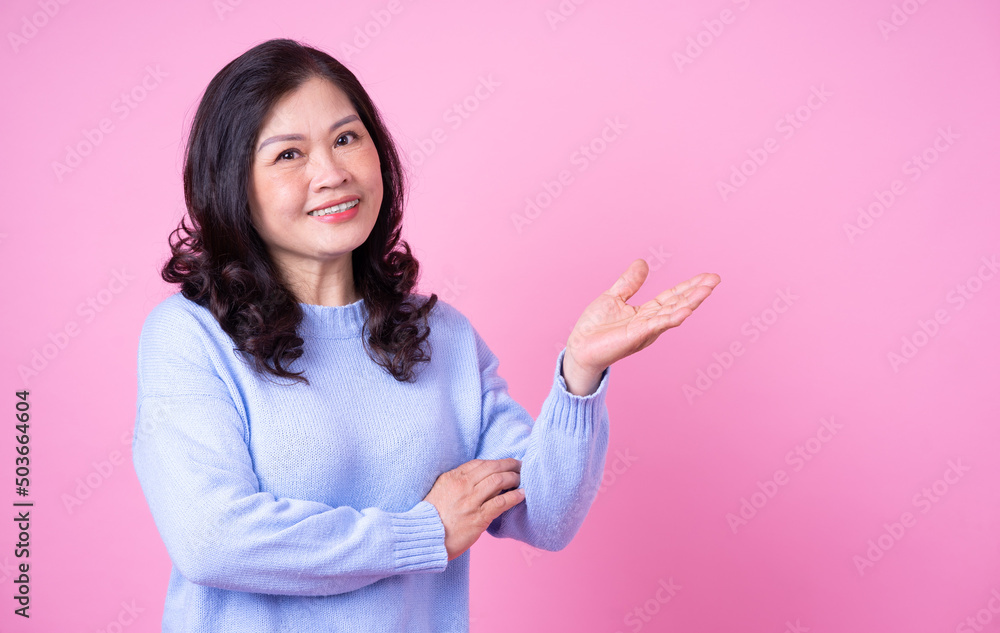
x,y
328,171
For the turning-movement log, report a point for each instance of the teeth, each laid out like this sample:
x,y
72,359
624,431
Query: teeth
x,y
337,208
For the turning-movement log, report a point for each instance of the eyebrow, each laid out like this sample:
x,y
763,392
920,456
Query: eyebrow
x,y
299,137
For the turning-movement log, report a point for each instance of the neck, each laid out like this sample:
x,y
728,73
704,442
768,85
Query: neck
x,y
329,297
330,283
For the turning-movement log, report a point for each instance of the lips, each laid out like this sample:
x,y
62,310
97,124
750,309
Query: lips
x,y
333,203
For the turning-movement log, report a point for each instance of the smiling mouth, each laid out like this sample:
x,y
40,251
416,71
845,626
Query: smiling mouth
x,y
337,208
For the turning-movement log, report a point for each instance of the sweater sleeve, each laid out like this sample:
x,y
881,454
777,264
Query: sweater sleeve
x,y
191,456
562,454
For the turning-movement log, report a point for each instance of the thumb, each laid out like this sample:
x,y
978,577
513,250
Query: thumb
x,y
631,280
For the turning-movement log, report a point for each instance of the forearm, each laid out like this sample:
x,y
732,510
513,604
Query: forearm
x,y
562,465
222,531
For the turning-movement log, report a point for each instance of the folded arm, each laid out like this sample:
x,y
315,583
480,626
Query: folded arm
x,y
191,456
562,454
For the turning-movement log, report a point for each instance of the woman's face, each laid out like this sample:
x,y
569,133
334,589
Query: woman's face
x,y
313,152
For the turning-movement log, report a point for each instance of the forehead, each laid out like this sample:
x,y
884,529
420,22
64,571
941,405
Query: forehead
x,y
318,101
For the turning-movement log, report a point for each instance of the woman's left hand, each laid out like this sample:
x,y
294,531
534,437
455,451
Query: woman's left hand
x,y
610,329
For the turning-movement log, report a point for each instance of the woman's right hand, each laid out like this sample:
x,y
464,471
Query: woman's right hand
x,y
466,499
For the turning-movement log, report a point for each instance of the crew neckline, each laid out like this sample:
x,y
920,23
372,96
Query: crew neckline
x,y
333,321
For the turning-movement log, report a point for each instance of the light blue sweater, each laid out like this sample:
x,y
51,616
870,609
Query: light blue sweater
x,y
288,507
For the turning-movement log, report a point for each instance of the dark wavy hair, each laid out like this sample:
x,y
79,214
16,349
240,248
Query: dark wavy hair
x,y
223,264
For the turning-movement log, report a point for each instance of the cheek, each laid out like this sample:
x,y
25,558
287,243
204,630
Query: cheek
x,y
377,184
282,196
373,168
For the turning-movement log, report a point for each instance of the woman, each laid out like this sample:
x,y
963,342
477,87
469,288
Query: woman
x,y
308,461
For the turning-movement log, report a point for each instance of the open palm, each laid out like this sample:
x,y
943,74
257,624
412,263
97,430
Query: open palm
x,y
609,329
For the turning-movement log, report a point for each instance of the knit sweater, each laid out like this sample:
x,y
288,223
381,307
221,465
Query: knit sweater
x,y
287,507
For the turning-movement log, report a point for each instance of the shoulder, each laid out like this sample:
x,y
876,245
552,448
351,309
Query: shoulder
x,y
448,322
183,350
180,327
176,316
442,314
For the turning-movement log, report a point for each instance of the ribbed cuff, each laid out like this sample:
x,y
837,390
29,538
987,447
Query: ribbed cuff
x,y
419,536
572,413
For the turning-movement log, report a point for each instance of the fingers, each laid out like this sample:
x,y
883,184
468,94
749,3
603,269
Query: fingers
x,y
672,319
690,297
501,503
467,499
490,477
480,468
469,466
679,307
709,280
631,280
496,482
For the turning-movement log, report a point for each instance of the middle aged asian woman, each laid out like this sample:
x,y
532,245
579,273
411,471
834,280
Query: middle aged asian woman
x,y
320,445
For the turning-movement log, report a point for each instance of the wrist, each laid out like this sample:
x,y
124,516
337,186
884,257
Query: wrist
x,y
580,381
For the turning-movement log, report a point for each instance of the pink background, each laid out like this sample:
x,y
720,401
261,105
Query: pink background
x,y
680,462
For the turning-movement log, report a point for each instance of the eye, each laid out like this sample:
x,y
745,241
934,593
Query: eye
x,y
352,135
286,152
